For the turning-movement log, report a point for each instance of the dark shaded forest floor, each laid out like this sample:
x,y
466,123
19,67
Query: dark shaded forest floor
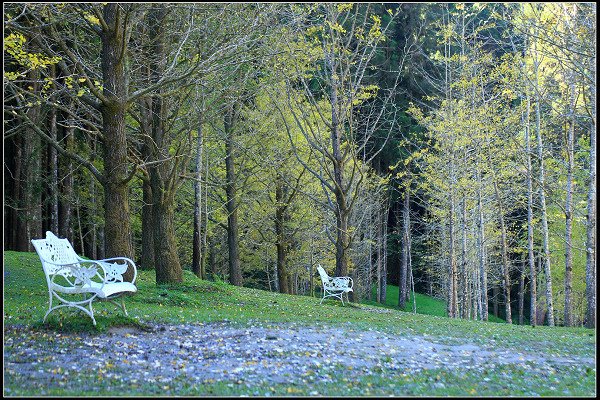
x,y
268,359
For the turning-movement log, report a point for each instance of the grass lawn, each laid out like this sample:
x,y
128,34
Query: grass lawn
x,y
424,304
198,301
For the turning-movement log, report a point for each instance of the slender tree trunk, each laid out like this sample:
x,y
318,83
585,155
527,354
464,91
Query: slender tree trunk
x,y
380,298
505,261
453,271
147,256
147,227
521,292
481,251
590,266
197,239
495,294
530,255
402,292
66,187
18,238
542,192
385,261
568,312
282,247
235,272
465,278
342,212
53,165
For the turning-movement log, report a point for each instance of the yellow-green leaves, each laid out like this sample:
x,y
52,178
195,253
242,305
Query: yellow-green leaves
x,y
14,46
365,93
375,30
343,7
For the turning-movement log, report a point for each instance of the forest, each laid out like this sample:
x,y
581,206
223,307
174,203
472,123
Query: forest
x,y
445,148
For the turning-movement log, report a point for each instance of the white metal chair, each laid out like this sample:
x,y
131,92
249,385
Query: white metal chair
x,y
67,275
335,287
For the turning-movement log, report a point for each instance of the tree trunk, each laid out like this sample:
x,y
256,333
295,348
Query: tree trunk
x,y
281,244
147,227
116,194
163,175
464,302
168,269
452,270
402,292
379,253
521,292
66,188
235,272
342,213
53,166
590,266
530,255
32,156
505,261
481,254
197,239
542,191
568,312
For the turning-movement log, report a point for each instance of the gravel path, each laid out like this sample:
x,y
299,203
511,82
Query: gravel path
x,y
223,352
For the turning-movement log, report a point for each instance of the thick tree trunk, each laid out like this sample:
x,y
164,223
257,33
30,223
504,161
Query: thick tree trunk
x,y
32,170
168,269
163,175
235,271
116,194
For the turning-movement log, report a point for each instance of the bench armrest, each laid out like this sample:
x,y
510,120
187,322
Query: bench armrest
x,y
108,265
342,281
83,275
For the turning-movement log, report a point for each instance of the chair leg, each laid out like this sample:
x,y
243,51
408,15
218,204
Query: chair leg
x,y
123,307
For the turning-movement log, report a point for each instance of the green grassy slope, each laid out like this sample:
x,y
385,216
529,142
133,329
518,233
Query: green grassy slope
x,y
194,301
424,304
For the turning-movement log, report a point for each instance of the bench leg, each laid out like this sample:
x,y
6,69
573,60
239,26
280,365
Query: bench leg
x,y
123,307
66,303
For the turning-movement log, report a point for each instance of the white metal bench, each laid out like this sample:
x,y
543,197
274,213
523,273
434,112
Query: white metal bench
x,y
335,287
67,275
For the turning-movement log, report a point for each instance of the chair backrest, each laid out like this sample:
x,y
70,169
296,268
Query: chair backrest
x,y
54,250
323,274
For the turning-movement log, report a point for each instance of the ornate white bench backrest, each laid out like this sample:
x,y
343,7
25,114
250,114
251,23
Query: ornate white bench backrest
x,y
324,276
53,250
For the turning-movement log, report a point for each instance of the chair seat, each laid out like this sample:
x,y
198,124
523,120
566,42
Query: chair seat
x,y
95,287
339,289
